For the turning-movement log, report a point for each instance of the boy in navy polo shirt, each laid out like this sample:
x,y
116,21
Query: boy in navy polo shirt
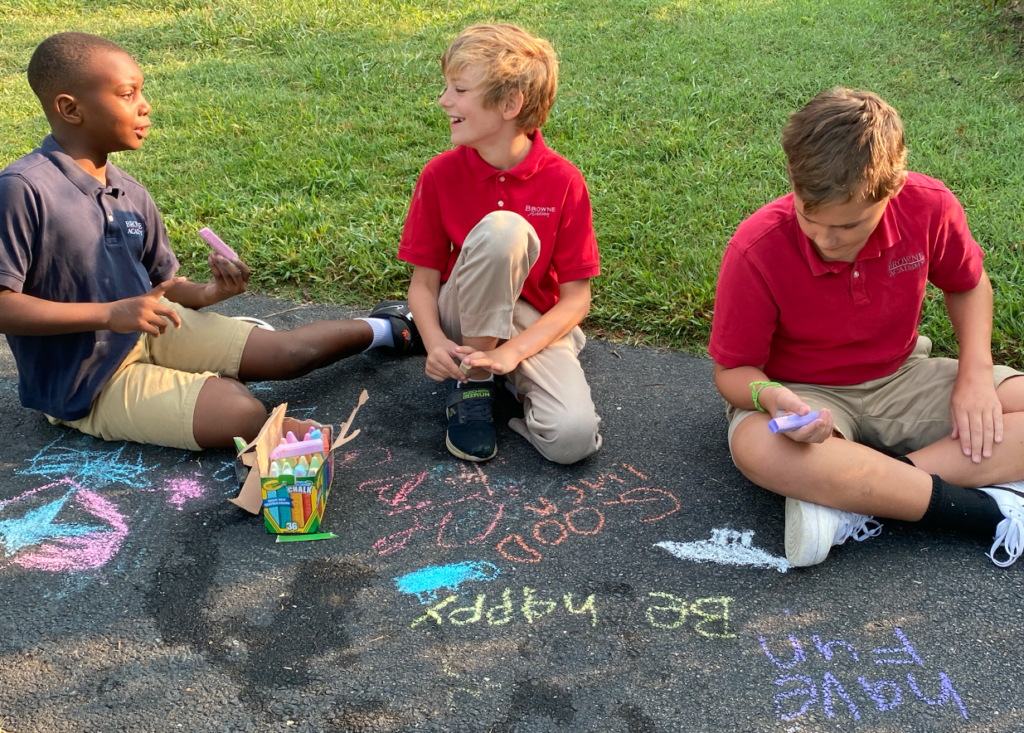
x,y
106,339
818,303
501,236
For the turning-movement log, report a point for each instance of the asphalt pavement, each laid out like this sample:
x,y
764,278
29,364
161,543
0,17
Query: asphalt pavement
x,y
643,589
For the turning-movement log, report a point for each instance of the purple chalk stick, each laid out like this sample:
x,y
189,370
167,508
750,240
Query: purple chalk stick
x,y
791,422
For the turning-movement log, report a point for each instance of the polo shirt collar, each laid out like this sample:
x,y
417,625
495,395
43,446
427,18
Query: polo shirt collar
x,y
483,170
886,235
74,173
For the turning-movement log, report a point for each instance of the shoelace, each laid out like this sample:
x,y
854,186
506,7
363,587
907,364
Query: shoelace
x,y
476,409
856,526
1009,534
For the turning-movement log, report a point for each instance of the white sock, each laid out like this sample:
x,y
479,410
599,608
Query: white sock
x,y
382,335
490,378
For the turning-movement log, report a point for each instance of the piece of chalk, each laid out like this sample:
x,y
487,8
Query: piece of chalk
x,y
297,449
465,368
791,422
306,537
217,244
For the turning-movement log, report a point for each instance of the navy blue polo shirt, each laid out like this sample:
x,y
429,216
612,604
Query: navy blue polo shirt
x,y
67,238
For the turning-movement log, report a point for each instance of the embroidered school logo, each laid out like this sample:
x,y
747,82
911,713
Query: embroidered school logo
x,y
539,210
134,227
906,264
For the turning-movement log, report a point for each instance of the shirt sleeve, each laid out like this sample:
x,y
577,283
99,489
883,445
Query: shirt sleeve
x,y
157,256
425,242
19,225
746,314
955,262
575,256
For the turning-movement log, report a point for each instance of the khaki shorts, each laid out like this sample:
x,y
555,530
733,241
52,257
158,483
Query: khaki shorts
x,y
152,396
897,414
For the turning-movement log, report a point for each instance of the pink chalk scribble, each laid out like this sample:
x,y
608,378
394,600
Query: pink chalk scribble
x,y
87,551
184,490
459,522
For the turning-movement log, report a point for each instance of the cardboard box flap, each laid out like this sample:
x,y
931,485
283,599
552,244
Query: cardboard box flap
x,y
343,430
250,497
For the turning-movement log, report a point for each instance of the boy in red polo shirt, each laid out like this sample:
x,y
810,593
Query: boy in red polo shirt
x,y
501,237
818,303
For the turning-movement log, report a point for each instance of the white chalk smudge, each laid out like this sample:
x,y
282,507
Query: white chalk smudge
x,y
726,547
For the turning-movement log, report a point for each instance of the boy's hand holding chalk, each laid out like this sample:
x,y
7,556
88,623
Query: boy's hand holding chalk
x,y
229,278
787,423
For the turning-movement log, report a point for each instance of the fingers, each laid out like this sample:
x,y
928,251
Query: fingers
x,y
816,432
233,275
159,290
441,366
164,311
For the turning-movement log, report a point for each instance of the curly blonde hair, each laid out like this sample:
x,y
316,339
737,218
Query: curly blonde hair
x,y
844,144
512,61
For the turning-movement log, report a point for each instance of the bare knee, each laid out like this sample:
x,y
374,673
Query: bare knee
x,y
753,453
226,409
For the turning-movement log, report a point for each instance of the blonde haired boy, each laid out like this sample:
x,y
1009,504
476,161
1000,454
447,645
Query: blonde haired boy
x,y
501,238
819,298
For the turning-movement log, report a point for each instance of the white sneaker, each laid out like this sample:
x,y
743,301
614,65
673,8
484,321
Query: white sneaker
x,y
812,530
1010,531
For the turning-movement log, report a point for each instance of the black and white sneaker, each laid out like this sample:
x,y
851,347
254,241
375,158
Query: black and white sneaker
x,y
1010,531
471,434
403,330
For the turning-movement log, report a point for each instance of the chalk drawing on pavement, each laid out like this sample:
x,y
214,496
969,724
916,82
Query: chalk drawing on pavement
x,y
726,547
850,687
60,527
97,467
461,505
586,512
183,490
425,583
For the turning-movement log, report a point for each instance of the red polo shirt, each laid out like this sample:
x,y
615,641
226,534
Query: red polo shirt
x,y
806,320
458,188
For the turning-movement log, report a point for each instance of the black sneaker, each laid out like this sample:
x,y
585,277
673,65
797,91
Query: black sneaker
x,y
403,330
471,433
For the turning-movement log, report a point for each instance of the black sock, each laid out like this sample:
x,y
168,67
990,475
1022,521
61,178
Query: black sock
x,y
968,511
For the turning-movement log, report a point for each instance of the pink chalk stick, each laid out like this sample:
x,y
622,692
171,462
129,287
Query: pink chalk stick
x,y
217,244
302,448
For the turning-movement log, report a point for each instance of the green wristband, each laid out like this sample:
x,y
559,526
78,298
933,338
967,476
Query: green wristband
x,y
755,392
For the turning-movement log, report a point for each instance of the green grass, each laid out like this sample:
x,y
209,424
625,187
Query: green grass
x,y
297,131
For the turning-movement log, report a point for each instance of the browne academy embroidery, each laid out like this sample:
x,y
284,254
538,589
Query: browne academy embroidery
x,y
906,264
539,210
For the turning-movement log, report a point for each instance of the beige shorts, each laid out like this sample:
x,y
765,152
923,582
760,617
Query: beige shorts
x,y
897,414
152,396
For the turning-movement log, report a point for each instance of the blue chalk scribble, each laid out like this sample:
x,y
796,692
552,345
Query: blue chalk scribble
x,y
38,525
425,583
95,467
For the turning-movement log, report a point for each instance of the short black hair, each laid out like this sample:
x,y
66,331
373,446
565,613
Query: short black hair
x,y
59,63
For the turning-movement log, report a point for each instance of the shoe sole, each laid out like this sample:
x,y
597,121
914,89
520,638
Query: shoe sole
x,y
465,456
809,533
